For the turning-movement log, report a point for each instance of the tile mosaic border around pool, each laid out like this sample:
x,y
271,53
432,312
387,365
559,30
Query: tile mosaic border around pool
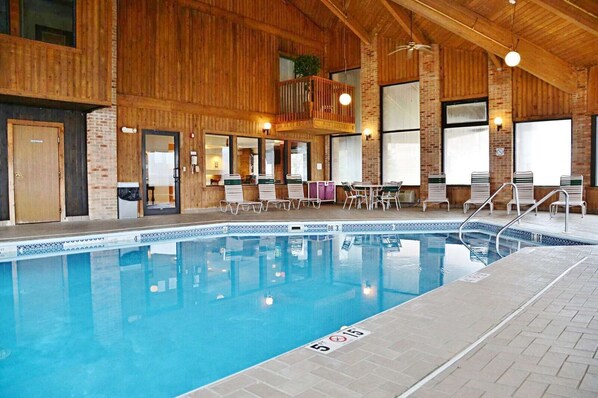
x,y
14,250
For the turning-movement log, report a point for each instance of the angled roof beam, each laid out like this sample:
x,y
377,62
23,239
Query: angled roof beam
x,y
571,12
496,40
496,61
404,21
348,20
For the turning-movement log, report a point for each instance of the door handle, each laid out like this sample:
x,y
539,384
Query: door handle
x,y
176,174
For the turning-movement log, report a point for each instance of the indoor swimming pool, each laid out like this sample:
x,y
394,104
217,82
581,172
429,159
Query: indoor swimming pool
x,y
164,318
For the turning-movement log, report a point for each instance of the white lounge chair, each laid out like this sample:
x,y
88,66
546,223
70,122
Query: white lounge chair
x,y
437,191
296,194
574,186
524,180
267,191
480,190
233,196
389,193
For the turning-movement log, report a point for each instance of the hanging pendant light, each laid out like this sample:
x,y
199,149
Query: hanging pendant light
x,y
345,97
513,58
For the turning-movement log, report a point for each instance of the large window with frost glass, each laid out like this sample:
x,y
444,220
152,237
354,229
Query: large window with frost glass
x,y
400,133
346,158
217,155
299,159
544,147
247,162
275,160
595,151
352,78
4,24
50,21
466,140
286,68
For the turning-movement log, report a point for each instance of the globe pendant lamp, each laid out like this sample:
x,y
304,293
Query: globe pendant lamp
x,y
513,58
345,97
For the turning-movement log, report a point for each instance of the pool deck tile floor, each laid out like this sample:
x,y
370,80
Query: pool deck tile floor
x,y
528,329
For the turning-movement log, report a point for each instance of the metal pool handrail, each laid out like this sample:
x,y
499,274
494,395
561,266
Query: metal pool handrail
x,y
488,201
519,217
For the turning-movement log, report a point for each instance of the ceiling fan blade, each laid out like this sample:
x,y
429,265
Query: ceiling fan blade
x,y
399,48
423,47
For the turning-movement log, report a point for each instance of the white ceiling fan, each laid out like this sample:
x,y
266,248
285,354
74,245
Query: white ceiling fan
x,y
411,45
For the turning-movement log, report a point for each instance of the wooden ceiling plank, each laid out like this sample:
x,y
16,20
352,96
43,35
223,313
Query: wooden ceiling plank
x,y
405,22
496,40
348,20
571,12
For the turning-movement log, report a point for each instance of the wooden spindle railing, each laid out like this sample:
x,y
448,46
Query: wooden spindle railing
x,y
314,97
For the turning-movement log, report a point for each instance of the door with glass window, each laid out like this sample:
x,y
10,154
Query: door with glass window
x,y
161,174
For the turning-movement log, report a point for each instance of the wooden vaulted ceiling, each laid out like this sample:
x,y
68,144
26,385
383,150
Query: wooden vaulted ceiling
x,y
563,32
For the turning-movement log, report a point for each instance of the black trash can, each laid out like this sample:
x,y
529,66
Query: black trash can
x,y
128,196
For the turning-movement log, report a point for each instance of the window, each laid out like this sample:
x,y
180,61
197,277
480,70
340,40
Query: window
x,y
352,78
248,159
217,154
299,159
595,151
544,147
400,133
4,26
275,160
286,67
346,158
50,21
466,142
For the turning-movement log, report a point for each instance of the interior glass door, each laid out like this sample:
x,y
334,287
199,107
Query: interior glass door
x,y
161,172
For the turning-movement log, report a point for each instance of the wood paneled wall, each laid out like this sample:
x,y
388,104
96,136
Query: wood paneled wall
x,y
338,49
395,68
593,90
535,99
52,72
464,74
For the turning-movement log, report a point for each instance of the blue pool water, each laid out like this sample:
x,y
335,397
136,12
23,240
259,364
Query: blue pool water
x,y
163,319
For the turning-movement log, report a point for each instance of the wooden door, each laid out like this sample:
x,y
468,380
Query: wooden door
x,y
36,173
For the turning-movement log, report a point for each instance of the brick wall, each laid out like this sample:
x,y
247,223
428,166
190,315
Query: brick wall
x,y
430,116
500,103
101,150
582,129
370,114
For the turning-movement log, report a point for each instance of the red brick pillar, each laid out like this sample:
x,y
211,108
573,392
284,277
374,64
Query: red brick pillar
x,y
370,116
101,150
582,129
500,104
430,116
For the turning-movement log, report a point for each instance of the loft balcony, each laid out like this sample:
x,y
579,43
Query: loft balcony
x,y
312,104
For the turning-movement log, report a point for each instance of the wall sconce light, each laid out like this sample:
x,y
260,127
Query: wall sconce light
x,y
368,134
367,289
267,127
498,123
269,300
128,130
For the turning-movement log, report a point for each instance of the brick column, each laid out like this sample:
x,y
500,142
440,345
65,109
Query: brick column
x,y
430,116
500,103
370,116
106,296
101,150
582,129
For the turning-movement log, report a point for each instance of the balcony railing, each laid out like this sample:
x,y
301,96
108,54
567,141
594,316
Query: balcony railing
x,y
316,100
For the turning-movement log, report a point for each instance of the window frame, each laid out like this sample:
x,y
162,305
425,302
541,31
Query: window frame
x,y
594,161
230,160
8,22
331,161
445,125
382,131
515,123
288,155
235,163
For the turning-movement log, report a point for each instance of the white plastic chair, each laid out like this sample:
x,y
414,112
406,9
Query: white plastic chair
x,y
296,194
437,191
480,190
267,192
233,196
524,180
574,187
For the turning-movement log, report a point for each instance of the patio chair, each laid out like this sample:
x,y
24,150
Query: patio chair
x,y
233,196
574,186
524,180
353,195
267,191
296,194
388,193
437,191
480,190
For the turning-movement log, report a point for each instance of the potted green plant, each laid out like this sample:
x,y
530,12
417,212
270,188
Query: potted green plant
x,y
307,65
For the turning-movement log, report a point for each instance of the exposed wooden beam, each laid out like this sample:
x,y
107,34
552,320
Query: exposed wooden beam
x,y
496,40
348,20
571,12
495,60
404,21
253,23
